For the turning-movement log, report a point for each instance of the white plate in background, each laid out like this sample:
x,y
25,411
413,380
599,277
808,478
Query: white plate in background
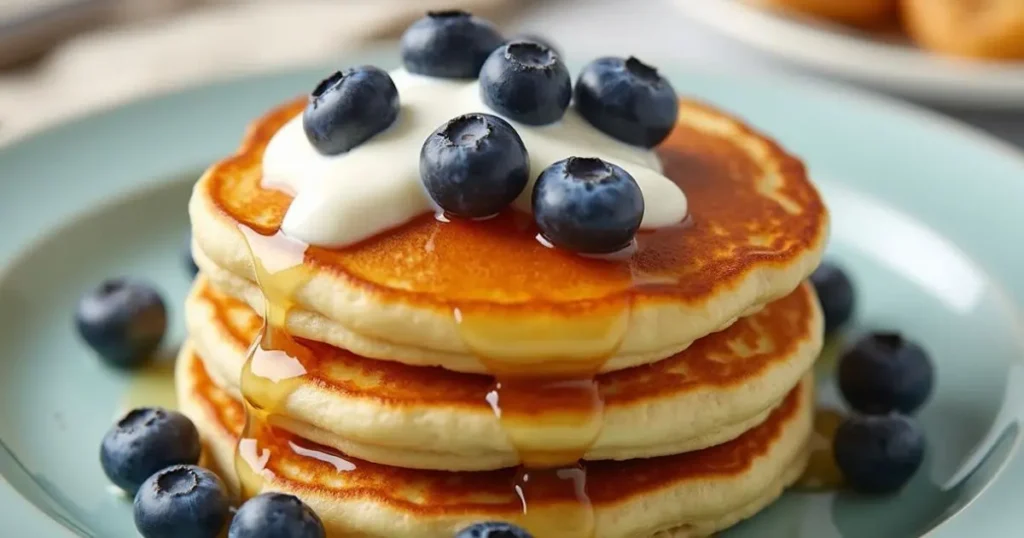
x,y
885,65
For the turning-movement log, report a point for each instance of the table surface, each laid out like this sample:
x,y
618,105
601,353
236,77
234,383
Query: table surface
x,y
655,29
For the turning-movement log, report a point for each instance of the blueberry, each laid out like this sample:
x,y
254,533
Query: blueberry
x,y
587,205
276,515
526,82
878,454
534,38
627,100
143,442
835,292
448,44
122,320
190,262
180,501
493,529
474,165
885,372
348,108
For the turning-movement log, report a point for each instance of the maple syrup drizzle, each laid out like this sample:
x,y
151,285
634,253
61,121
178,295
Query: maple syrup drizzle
x,y
276,362
550,448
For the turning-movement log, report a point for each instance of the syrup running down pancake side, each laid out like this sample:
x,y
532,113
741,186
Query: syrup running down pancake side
x,y
275,361
554,383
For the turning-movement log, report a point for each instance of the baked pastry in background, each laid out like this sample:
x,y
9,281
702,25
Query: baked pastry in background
x,y
991,29
862,13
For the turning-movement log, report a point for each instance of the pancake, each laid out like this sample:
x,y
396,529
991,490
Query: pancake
x,y
863,13
468,295
428,417
683,496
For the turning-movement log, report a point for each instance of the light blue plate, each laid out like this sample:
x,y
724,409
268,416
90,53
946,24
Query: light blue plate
x,y
928,216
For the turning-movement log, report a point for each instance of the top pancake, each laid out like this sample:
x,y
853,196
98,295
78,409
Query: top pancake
x,y
467,295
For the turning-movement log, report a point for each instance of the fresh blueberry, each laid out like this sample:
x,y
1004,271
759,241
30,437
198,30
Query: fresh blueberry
x,y
122,320
190,262
534,38
276,515
349,107
885,372
587,205
493,529
143,442
835,292
526,82
448,44
180,501
878,454
627,100
474,165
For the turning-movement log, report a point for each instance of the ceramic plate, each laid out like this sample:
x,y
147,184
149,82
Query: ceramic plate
x,y
890,65
926,217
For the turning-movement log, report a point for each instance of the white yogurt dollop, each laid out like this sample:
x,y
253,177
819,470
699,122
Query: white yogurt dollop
x,y
343,199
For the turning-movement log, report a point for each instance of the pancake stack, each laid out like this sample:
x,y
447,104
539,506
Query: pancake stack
x,y
450,372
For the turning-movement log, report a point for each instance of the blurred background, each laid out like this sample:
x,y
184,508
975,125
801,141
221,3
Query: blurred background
x,y
60,58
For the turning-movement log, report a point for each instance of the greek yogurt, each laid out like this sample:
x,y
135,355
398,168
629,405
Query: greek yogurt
x,y
346,198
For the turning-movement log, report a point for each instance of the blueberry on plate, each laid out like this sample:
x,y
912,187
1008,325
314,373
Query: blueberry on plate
x,y
878,454
348,108
628,100
122,320
587,205
276,515
143,442
190,262
835,293
448,44
526,82
885,372
493,529
180,501
474,165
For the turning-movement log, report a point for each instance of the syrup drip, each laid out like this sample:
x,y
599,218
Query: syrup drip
x,y
276,362
564,388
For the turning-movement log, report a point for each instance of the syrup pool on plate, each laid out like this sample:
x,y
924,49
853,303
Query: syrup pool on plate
x,y
151,386
822,473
